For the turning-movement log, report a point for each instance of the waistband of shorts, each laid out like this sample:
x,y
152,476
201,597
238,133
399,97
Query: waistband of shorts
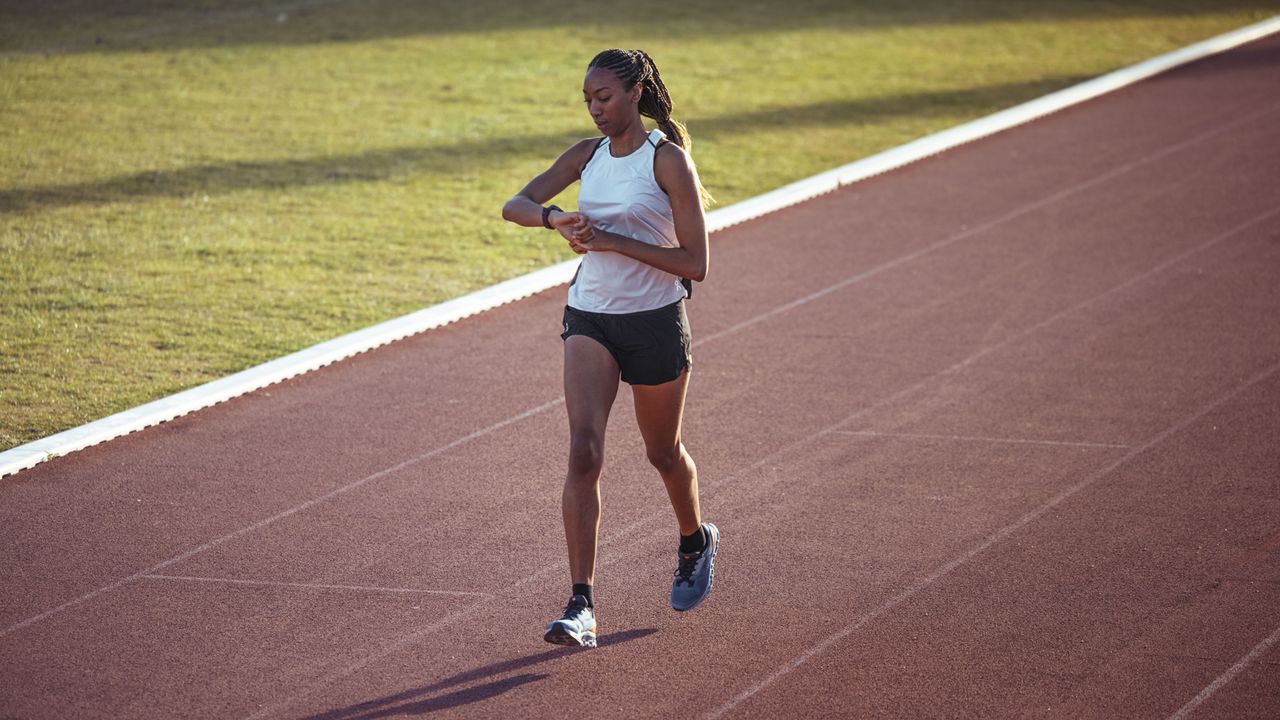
x,y
638,313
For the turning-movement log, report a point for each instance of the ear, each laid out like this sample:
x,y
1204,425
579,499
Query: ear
x,y
636,91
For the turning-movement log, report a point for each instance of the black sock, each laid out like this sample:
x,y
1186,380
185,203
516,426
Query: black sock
x,y
696,542
585,591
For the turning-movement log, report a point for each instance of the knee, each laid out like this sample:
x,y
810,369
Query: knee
x,y
586,455
666,459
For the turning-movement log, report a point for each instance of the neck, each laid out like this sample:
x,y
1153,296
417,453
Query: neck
x,y
628,139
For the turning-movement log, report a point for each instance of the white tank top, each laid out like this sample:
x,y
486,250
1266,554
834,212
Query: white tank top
x,y
620,194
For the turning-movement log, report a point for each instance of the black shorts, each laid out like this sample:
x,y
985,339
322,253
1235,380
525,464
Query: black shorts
x,y
651,347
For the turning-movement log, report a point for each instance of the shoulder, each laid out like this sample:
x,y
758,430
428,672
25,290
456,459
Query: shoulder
x,y
580,152
587,145
673,166
669,153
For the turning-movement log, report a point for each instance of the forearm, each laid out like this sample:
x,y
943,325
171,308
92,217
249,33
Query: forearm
x,y
522,210
679,261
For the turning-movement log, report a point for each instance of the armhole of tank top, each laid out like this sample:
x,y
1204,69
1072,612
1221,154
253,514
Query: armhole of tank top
x,y
656,147
592,156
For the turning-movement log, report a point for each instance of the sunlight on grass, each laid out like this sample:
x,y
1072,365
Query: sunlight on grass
x,y
186,191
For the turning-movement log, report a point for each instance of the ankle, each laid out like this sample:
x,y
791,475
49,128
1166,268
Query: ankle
x,y
694,543
584,590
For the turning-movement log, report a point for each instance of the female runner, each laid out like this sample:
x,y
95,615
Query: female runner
x,y
641,231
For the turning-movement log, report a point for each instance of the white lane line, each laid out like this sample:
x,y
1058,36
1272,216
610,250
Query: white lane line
x,y
316,356
971,438
281,515
1226,677
636,527
1158,268
310,586
553,403
1012,215
403,641
990,540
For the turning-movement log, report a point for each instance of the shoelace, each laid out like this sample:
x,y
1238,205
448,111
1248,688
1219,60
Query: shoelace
x,y
572,610
684,571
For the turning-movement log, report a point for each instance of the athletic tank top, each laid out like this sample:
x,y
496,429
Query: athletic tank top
x,y
620,194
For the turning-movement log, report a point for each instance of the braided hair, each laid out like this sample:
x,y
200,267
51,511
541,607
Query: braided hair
x,y
635,66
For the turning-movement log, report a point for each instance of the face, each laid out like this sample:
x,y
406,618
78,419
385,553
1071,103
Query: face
x,y
612,107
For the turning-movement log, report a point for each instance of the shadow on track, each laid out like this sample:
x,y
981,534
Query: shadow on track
x,y
413,702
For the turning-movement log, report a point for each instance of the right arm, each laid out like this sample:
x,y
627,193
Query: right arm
x,y
525,207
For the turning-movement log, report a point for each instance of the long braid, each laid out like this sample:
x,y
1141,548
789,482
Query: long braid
x,y
635,66
655,102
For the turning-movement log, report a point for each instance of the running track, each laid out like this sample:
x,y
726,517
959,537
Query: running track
x,y
991,435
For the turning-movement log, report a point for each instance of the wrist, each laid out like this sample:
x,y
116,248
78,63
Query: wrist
x,y
546,216
603,240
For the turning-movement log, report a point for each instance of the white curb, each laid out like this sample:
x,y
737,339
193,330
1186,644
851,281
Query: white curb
x,y
316,356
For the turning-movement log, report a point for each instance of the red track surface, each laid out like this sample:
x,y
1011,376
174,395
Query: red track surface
x,y
992,435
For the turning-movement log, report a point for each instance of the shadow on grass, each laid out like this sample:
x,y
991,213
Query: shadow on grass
x,y
59,26
424,700
470,155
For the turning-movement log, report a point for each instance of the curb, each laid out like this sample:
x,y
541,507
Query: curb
x,y
331,351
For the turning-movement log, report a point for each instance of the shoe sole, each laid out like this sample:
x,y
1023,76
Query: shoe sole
x,y
711,571
558,635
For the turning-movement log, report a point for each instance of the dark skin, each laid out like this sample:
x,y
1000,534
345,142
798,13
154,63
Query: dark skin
x,y
591,375
616,113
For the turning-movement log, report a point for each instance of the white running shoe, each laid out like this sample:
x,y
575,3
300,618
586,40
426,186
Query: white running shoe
x,y
577,628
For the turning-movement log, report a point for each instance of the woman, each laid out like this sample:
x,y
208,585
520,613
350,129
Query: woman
x,y
641,230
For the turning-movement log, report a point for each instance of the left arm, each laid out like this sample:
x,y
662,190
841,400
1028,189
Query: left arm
x,y
678,178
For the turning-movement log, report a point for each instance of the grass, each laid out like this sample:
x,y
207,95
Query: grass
x,y
189,189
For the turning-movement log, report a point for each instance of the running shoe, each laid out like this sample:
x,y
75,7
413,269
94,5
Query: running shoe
x,y
695,573
577,628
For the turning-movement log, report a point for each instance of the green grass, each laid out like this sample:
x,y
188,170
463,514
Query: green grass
x,y
188,189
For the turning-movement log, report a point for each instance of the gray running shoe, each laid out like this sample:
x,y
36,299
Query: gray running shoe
x,y
577,628
695,573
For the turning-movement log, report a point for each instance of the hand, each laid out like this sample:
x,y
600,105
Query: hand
x,y
583,237
589,239
574,227
559,219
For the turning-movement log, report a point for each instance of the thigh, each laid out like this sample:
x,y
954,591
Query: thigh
x,y
660,411
590,384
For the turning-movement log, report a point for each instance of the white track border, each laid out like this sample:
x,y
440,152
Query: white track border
x,y
317,356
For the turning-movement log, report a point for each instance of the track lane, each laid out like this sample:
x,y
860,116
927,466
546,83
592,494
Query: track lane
x,y
760,392
1144,539
1255,221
